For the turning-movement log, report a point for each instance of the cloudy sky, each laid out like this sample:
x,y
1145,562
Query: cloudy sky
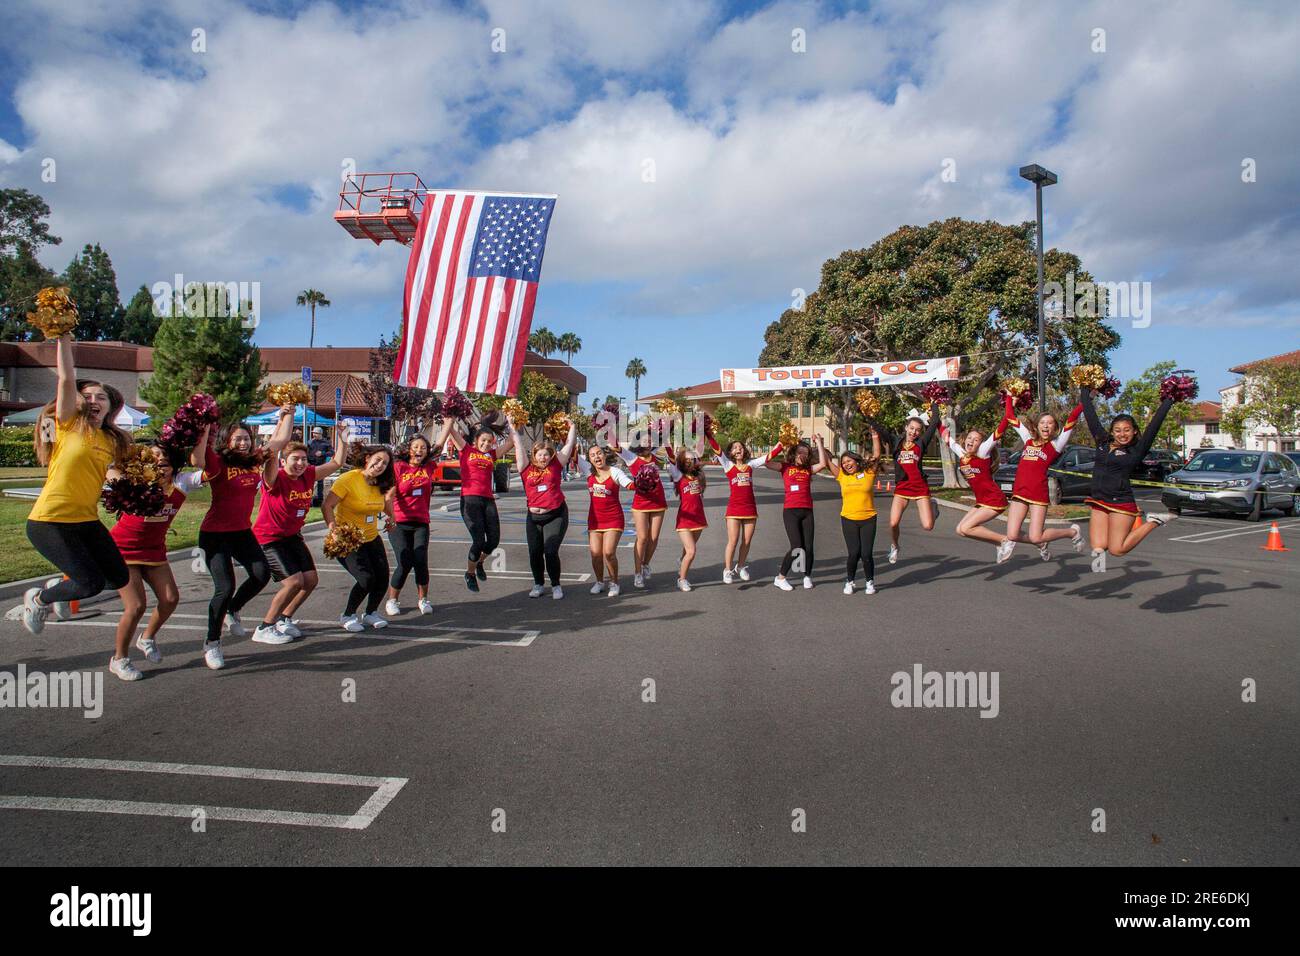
x,y
224,163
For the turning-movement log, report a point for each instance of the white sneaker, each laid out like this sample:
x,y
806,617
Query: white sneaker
x,y
235,626
392,608
848,587
270,634
1077,541
807,583
373,620
893,554
557,593
1045,552
62,609
870,588
726,575
149,648
598,587
34,614
645,572
123,668
1161,518
683,584
743,571
351,623
426,606
613,589
1005,549
212,655
782,583
638,580
288,628
536,591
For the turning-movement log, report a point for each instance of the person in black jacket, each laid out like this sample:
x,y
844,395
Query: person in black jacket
x,y
1114,526
319,451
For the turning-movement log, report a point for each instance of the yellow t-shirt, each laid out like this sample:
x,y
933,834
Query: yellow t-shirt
x,y
856,489
360,503
75,481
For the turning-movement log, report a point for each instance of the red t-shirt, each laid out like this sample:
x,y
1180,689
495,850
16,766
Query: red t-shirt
x,y
412,491
284,506
476,473
798,486
233,491
542,486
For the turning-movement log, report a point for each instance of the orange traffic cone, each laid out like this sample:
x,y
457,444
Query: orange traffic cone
x,y
1274,540
1137,521
74,605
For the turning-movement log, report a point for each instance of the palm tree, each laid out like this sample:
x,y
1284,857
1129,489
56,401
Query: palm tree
x,y
635,371
312,298
568,343
543,342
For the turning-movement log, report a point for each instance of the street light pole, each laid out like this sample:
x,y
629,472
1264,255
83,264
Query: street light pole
x,y
1040,177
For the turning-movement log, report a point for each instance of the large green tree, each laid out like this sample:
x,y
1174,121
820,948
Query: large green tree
x,y
953,287
214,355
92,283
412,407
1140,398
23,231
540,397
570,345
140,321
543,342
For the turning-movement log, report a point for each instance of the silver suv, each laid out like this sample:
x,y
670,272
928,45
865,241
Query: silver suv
x,y
1234,482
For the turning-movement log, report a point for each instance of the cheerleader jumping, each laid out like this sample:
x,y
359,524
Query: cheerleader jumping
x,y
77,439
286,498
226,534
1029,492
742,510
548,512
1120,449
142,540
976,462
605,521
413,470
910,483
688,481
797,468
855,476
478,505
360,498
649,503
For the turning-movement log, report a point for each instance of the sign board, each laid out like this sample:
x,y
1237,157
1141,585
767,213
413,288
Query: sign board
x,y
358,428
306,375
338,402
846,375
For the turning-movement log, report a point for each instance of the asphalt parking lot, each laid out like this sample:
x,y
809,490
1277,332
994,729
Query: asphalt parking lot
x,y
701,727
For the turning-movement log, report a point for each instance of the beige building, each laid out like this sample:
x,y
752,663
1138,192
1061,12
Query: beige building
x,y
808,417
1255,435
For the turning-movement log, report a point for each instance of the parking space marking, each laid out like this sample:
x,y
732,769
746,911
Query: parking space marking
x,y
1204,537
460,573
386,788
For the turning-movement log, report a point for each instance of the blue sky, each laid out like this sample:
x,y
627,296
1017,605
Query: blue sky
x,y
223,163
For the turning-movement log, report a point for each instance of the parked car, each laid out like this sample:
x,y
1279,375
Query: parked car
x,y
446,474
1157,464
1294,456
1069,477
1235,482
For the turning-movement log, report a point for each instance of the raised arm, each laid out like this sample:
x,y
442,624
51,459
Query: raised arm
x,y
448,434
283,429
621,477
1099,434
521,460
875,448
325,469
824,462
570,443
65,402
584,466
1013,420
946,435
1063,439
927,436
1153,428
271,468
772,460
199,453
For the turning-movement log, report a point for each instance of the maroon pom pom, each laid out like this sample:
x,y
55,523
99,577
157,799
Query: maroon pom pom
x,y
124,496
647,480
455,404
1180,388
936,393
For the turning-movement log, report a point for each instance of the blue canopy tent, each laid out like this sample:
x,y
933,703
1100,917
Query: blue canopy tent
x,y
273,416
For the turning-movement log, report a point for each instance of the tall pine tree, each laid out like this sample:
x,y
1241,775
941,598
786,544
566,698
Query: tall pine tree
x,y
23,231
92,283
140,322
214,355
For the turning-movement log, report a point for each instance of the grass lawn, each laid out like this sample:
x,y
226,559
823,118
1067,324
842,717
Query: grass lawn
x,y
963,496
34,472
18,559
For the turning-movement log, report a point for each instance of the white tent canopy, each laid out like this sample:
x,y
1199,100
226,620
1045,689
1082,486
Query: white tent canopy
x,y
128,418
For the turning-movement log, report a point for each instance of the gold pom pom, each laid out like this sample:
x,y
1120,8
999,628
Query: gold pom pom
x,y
557,427
1088,376
667,408
789,435
868,402
140,465
56,313
292,392
515,411
343,540
1015,387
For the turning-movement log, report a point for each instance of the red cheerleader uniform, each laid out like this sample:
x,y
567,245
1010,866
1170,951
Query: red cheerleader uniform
x,y
690,498
907,462
740,481
978,468
606,511
1036,458
143,539
657,499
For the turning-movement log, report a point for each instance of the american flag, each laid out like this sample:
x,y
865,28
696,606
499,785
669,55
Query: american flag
x,y
471,284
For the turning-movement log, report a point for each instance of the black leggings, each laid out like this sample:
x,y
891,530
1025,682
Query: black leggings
x,y
545,533
484,526
85,552
799,529
859,539
368,566
411,547
220,550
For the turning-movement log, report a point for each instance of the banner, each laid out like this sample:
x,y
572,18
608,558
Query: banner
x,y
844,375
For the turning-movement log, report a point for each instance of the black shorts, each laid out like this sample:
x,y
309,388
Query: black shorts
x,y
288,556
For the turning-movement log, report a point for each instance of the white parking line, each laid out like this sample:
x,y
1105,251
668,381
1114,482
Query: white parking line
x,y
386,788
1203,537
